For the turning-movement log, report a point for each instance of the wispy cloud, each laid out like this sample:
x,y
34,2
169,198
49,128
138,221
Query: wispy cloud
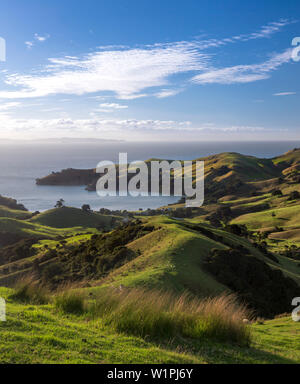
x,y
123,128
244,73
284,93
41,38
37,38
110,107
87,127
167,93
29,44
129,73
113,106
7,106
265,31
126,73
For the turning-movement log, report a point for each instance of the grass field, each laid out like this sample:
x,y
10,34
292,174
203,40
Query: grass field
x,y
41,334
281,217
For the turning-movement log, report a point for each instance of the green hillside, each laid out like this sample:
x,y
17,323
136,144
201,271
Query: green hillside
x,y
282,217
162,253
244,240
67,217
28,229
248,168
14,213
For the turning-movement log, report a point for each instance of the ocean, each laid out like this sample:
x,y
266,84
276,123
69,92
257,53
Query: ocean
x,y
22,163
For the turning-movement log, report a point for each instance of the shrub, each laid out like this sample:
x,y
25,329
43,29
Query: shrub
x,y
277,192
52,270
238,230
94,258
265,289
70,302
164,315
295,195
28,291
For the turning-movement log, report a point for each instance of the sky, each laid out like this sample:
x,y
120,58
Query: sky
x,y
155,70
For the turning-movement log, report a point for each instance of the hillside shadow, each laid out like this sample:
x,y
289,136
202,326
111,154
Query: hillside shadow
x,y
226,353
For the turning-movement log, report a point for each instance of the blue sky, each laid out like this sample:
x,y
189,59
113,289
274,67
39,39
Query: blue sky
x,y
150,70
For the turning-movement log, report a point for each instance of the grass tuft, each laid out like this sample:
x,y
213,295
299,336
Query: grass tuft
x,y
70,301
30,292
164,315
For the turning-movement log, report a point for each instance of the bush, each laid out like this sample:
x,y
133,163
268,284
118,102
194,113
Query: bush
x,y
277,192
164,315
70,302
295,195
266,290
95,258
28,291
52,270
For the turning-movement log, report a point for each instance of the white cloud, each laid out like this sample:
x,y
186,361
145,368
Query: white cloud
x,y
167,93
126,73
284,93
7,106
96,126
29,44
238,128
81,127
38,38
113,106
265,31
109,107
244,73
127,129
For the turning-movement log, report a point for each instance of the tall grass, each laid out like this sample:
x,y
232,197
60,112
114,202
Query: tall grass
x,y
70,301
153,314
26,290
164,315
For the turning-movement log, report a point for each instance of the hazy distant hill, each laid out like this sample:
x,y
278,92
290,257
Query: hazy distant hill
x,y
225,173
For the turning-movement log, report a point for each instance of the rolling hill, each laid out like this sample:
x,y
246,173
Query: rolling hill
x,y
67,217
244,240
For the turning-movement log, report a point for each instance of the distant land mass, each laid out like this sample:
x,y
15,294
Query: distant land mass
x,y
64,140
225,174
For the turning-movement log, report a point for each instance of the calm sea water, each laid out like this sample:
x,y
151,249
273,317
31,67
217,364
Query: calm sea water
x,y
21,164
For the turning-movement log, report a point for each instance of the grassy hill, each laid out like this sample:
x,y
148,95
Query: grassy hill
x,y
245,239
162,253
170,258
31,229
45,231
14,213
67,217
61,222
11,203
248,168
282,217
